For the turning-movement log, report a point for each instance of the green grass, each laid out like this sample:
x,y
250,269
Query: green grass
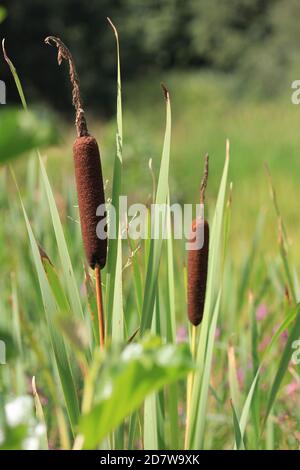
x,y
47,308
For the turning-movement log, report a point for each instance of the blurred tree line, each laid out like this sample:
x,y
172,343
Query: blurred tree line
x,y
255,39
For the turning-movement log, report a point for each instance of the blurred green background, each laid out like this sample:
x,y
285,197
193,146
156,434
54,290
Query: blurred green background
x,y
229,67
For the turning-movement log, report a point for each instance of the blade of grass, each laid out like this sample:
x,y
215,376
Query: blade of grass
x,y
40,414
248,265
151,424
156,244
239,443
283,364
198,440
247,404
172,391
114,256
59,349
69,277
16,327
15,76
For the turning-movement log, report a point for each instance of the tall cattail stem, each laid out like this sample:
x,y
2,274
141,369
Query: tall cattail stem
x,y
189,391
100,309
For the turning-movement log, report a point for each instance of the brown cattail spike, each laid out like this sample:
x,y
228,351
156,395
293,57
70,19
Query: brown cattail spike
x,y
89,182
90,193
88,171
198,262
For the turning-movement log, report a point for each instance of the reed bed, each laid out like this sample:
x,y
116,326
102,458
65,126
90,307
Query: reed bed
x,y
158,381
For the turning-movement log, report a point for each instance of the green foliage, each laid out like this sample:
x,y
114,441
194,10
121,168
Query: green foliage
x,y
136,370
22,131
2,14
223,36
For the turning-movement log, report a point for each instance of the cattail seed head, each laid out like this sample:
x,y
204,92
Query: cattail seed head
x,y
88,171
197,274
90,191
198,261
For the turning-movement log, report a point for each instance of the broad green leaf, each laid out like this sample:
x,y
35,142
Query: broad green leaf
x,y
126,378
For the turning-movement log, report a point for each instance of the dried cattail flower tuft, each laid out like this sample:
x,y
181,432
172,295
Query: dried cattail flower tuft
x,y
198,262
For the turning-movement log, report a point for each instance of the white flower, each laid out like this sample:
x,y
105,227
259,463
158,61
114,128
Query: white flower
x,y
132,351
18,411
31,443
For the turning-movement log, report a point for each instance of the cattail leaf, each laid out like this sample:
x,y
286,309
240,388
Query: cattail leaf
x,y
158,223
58,345
132,430
151,424
239,443
200,424
118,317
92,305
55,284
284,362
20,375
249,262
245,411
15,76
247,406
137,276
69,278
138,370
172,390
114,286
40,414
23,131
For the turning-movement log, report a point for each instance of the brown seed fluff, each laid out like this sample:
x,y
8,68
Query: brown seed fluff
x,y
197,274
89,182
